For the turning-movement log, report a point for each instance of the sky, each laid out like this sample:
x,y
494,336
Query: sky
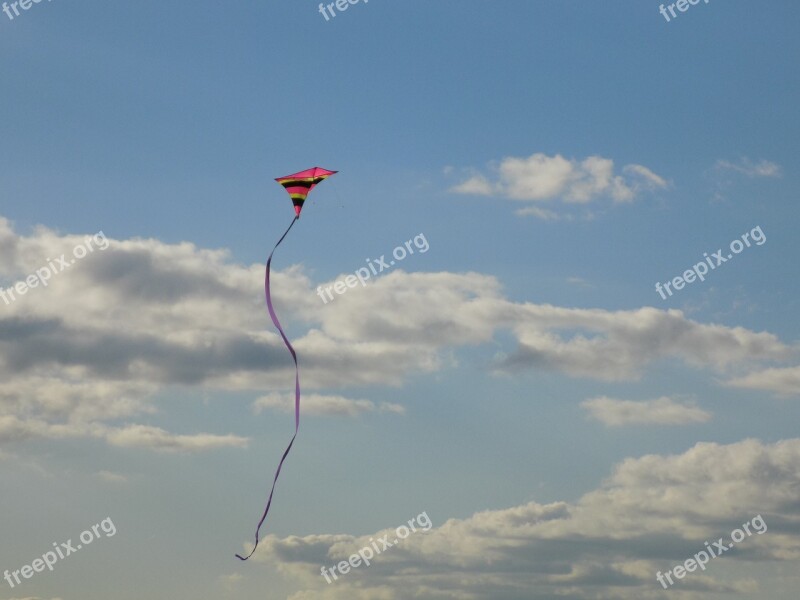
x,y
578,368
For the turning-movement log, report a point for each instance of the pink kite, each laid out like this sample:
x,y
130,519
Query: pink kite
x,y
298,186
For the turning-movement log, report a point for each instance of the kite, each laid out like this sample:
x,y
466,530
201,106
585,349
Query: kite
x,y
298,186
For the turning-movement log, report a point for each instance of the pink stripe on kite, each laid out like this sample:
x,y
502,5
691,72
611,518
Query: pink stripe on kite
x,y
299,189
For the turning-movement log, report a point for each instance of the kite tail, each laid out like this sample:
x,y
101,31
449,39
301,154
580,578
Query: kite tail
x,y
296,389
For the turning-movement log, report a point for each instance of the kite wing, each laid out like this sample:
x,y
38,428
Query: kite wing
x,y
300,184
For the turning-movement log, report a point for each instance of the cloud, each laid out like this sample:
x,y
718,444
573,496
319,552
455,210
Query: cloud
x,y
762,168
782,381
141,436
579,281
539,178
661,411
477,185
617,345
111,477
649,178
14,429
652,512
722,179
317,405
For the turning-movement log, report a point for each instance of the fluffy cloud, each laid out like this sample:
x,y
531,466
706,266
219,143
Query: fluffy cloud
x,y
618,345
540,178
782,381
653,512
661,411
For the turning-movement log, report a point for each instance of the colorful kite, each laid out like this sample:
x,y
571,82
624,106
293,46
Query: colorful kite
x,y
298,186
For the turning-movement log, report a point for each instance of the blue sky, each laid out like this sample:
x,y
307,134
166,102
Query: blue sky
x,y
568,431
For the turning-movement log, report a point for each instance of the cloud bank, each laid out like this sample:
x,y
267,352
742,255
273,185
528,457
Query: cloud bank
x,y
88,355
651,513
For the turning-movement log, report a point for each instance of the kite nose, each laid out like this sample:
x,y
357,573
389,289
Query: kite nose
x,y
297,210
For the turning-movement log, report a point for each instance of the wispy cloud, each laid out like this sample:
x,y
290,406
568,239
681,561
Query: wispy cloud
x,y
15,429
318,405
725,173
661,411
579,281
762,168
155,438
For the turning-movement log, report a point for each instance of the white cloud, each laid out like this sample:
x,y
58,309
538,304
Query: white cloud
x,y
652,512
661,411
477,185
646,175
617,345
317,405
141,436
14,429
539,178
783,381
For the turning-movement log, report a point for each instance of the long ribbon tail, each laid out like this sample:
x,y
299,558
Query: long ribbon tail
x,y
296,389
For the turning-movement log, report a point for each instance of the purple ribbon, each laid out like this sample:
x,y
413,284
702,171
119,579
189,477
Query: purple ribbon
x,y
296,388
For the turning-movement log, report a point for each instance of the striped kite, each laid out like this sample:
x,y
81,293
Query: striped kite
x,y
300,184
